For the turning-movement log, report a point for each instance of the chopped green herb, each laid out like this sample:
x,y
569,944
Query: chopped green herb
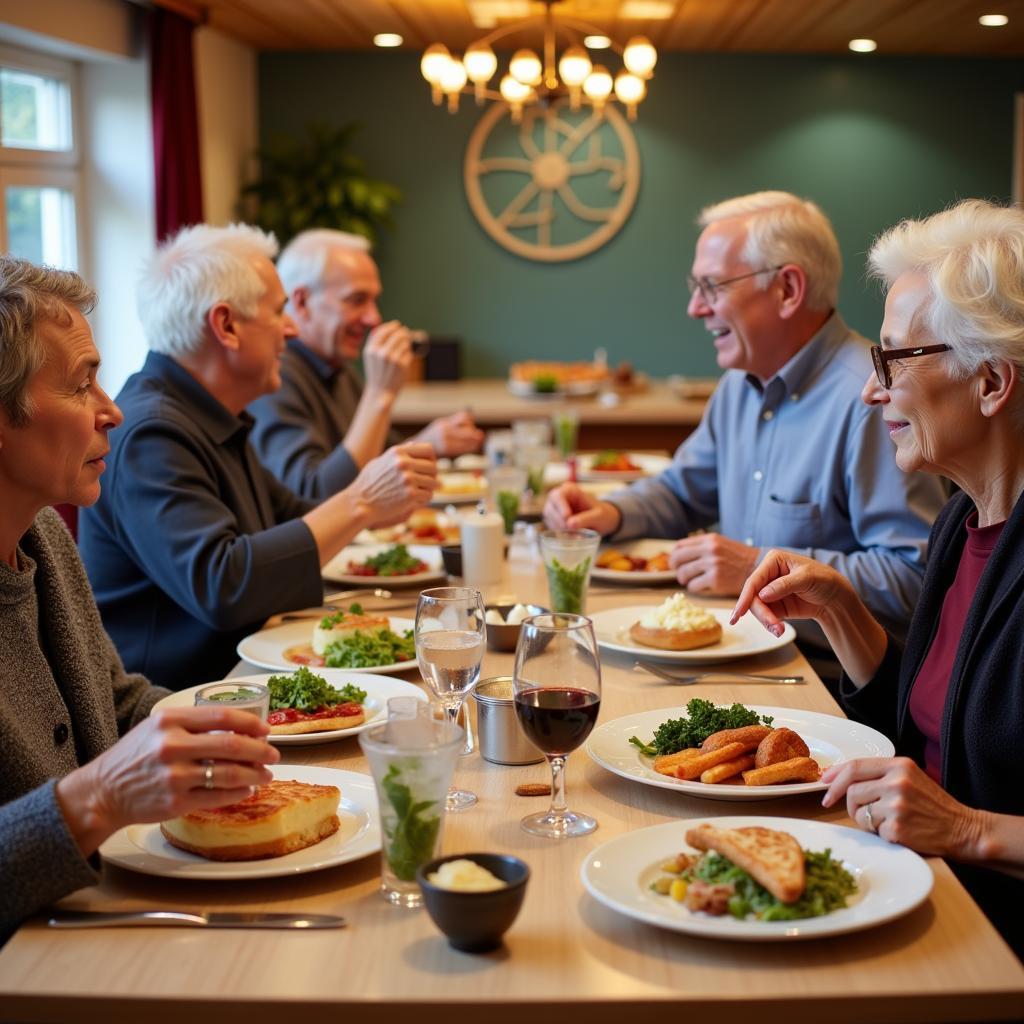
x,y
545,384
306,691
366,650
329,621
508,506
535,481
702,719
410,833
395,561
566,586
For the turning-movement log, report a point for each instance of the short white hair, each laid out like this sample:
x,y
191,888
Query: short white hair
x,y
193,271
783,228
304,259
973,258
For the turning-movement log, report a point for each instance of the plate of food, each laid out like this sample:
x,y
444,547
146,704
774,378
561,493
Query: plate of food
x,y
756,879
541,379
739,752
348,639
318,706
459,488
398,564
619,466
307,819
680,630
642,562
424,526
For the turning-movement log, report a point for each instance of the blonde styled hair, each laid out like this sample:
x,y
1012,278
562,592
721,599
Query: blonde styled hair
x,y
973,258
783,228
29,295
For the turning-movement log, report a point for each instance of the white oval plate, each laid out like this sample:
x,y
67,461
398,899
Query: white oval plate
x,y
650,465
829,737
645,548
892,880
143,848
747,637
379,690
266,648
335,569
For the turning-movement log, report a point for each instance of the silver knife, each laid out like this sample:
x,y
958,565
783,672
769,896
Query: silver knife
x,y
193,919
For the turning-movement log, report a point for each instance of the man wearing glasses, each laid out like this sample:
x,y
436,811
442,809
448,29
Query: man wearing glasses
x,y
786,455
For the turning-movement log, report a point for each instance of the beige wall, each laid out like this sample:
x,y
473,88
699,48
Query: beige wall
x,y
107,28
226,96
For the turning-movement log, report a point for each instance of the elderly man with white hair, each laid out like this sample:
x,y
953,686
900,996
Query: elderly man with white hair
x,y
326,421
193,544
786,455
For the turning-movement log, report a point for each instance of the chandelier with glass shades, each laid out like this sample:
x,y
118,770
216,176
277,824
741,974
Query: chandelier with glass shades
x,y
533,78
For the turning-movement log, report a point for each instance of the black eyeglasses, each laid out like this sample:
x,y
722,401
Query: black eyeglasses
x,y
709,289
882,357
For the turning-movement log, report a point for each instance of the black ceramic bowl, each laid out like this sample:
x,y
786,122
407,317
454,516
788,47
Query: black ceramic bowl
x,y
474,922
451,559
505,637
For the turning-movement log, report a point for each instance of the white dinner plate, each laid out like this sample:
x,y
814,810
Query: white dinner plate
x,y
645,548
266,648
526,389
379,690
649,465
459,489
829,737
143,848
747,637
336,569
891,880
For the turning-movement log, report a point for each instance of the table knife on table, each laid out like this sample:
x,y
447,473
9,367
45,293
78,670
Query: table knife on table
x,y
190,919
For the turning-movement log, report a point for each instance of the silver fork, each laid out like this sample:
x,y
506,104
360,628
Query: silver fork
x,y
689,680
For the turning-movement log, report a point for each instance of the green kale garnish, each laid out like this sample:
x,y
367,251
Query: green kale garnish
x,y
366,650
545,383
394,561
410,834
702,719
329,621
306,691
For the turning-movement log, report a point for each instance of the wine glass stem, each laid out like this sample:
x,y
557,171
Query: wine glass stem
x,y
558,805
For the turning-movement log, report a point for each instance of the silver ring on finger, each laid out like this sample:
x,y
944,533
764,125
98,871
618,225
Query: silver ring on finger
x,y
208,775
870,819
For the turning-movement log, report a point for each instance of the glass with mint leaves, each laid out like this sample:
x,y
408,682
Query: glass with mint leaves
x,y
412,757
568,556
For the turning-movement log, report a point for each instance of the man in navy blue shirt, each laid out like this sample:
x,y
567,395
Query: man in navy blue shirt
x,y
193,544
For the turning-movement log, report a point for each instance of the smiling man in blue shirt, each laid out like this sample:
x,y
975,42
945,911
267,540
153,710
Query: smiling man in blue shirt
x,y
786,454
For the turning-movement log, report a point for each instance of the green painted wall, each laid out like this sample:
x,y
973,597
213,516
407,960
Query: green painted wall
x,y
872,140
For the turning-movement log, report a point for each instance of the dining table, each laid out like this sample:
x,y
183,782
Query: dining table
x,y
566,957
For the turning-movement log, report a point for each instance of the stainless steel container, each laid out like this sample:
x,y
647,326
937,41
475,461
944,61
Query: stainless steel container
x,y
498,733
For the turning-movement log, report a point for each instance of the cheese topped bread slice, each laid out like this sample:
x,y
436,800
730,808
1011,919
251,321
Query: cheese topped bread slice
x,y
677,624
775,859
278,818
341,625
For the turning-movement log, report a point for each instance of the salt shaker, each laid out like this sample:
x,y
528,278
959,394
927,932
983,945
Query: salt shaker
x,y
483,547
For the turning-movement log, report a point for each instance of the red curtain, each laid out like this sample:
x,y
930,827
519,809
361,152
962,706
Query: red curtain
x,y
179,196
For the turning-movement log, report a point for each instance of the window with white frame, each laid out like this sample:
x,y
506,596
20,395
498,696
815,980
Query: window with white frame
x,y
39,159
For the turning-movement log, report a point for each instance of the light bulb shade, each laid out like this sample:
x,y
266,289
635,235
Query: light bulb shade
x,y
574,66
513,91
640,56
526,67
480,63
598,84
433,62
453,77
629,88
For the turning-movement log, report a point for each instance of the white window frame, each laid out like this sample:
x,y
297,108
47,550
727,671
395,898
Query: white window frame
x,y
41,168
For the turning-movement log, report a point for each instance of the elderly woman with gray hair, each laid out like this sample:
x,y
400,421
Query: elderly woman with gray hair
x,y
79,758
949,376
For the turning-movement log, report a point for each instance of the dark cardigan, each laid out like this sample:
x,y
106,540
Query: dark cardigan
x,y
982,735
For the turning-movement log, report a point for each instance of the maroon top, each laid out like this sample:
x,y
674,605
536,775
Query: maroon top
x,y
928,697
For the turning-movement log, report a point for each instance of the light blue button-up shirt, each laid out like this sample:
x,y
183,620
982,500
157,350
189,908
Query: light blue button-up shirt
x,y
800,462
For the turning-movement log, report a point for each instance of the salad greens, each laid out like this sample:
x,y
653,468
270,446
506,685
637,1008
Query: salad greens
x,y
395,561
411,835
328,621
702,719
366,650
545,383
566,586
306,691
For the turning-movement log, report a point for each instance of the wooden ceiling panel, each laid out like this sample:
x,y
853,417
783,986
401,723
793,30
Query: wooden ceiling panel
x,y
765,26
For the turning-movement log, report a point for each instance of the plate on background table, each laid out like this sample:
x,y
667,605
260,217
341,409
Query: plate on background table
x,y
379,690
143,848
647,465
645,548
266,649
830,738
336,569
579,389
459,489
891,880
746,638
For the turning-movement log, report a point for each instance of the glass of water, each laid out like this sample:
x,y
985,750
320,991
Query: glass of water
x,y
450,635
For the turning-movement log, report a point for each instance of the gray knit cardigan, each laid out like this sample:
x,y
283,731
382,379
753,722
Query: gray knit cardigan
x,y
64,699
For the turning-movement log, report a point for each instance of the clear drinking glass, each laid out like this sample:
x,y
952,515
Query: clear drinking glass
x,y
557,682
450,634
568,558
566,424
239,696
507,484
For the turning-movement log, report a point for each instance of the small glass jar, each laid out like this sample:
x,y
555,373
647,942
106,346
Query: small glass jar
x,y
239,696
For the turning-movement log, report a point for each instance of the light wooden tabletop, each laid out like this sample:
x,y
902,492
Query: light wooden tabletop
x,y
565,953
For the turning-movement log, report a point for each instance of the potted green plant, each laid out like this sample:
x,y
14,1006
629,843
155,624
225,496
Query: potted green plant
x,y
315,182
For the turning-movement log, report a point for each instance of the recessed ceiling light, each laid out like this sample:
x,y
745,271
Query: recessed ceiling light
x,y
993,20
387,39
597,42
647,10
862,45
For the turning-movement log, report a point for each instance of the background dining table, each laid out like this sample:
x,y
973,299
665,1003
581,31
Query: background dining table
x,y
567,957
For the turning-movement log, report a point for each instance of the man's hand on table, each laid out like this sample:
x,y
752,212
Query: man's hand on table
x,y
711,564
452,435
569,507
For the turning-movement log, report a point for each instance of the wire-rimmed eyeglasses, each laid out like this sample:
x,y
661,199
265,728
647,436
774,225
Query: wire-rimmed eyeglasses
x,y
882,357
709,289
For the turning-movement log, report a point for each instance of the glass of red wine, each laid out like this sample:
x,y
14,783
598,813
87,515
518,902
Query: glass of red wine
x,y
557,681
